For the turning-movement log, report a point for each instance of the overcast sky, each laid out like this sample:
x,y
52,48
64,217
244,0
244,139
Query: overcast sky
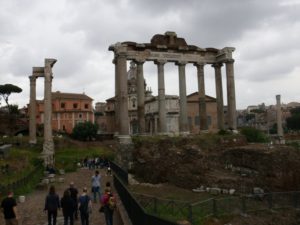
x,y
265,33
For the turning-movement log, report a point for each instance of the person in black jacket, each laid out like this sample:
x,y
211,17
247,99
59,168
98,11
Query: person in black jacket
x,y
52,205
74,196
68,206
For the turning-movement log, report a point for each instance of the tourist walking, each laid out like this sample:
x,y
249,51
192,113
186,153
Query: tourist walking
x,y
9,208
52,204
96,185
84,205
108,203
74,196
68,206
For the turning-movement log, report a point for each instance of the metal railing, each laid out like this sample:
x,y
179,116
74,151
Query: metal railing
x,y
121,174
20,182
235,205
146,209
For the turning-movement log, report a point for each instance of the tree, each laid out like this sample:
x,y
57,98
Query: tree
x,y
85,131
254,135
293,122
6,90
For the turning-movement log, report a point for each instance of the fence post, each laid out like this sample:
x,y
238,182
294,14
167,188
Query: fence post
x,y
155,205
295,200
190,216
270,200
215,213
243,205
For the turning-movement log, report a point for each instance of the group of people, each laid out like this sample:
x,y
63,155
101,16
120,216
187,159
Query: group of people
x,y
95,163
71,204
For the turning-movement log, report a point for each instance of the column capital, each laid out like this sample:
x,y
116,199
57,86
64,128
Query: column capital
x,y
50,62
160,62
199,64
121,55
215,65
139,61
32,78
229,61
181,63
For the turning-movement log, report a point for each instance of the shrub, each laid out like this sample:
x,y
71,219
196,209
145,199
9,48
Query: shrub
x,y
254,135
85,131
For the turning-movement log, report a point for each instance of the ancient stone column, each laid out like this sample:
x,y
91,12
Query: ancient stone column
x,y
279,116
201,95
116,104
48,146
32,110
141,96
231,94
161,97
219,95
123,94
183,120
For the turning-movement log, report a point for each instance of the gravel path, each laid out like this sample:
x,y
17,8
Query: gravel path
x,y
31,212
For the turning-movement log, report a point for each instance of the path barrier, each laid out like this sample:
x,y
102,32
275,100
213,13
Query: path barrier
x,y
146,209
21,182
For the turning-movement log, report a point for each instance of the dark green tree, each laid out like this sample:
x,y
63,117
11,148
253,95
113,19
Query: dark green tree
x,y
6,90
254,135
293,122
85,131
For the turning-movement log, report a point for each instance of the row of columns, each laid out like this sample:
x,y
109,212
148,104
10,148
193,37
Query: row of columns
x,y
48,145
122,97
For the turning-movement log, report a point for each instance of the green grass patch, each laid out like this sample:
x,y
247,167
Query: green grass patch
x,y
20,161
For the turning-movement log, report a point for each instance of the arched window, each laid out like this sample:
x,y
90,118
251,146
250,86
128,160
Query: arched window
x,y
133,102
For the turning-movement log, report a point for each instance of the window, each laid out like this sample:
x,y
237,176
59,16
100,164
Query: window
x,y
208,120
86,106
80,115
62,105
133,102
75,105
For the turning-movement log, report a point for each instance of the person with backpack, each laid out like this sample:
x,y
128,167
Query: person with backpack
x,y
68,206
108,203
84,205
52,204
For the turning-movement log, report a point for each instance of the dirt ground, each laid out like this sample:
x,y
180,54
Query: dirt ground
x,y
31,212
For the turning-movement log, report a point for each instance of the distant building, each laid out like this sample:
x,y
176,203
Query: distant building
x,y
68,109
193,113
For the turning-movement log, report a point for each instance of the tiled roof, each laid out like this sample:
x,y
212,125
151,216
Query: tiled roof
x,y
60,95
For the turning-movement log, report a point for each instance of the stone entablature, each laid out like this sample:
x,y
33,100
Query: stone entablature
x,y
165,49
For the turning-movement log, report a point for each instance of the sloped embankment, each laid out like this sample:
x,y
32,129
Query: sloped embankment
x,y
216,161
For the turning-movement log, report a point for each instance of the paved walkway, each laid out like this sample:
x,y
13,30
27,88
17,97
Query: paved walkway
x,y
31,212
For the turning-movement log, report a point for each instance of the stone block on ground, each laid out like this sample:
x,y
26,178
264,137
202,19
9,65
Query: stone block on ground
x,y
51,175
231,191
45,181
52,180
21,198
61,172
183,222
215,191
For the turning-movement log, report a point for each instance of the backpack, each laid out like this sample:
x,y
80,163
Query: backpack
x,y
84,206
111,202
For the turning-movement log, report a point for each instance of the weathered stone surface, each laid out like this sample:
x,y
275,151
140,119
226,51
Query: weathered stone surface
x,y
215,191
